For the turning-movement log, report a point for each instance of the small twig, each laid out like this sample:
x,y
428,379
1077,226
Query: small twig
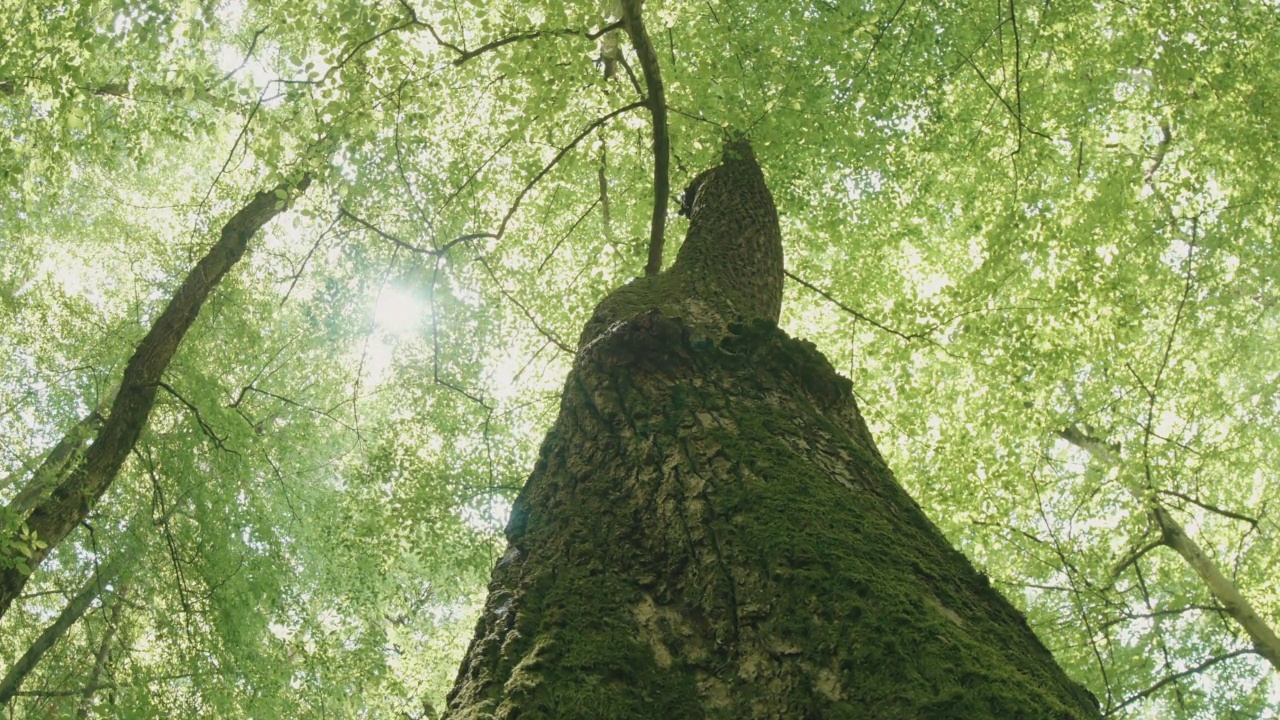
x,y
205,427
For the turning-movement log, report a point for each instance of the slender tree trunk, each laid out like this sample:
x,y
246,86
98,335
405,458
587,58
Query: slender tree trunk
x,y
100,658
53,516
71,612
1173,536
710,532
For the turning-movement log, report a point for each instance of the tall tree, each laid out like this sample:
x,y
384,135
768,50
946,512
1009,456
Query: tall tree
x,y
710,530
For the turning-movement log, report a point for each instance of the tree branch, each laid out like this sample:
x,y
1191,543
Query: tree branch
x,y
344,212
1178,676
465,56
502,227
857,315
656,101
1265,641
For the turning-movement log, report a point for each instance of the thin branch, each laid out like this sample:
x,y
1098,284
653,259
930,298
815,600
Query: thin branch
x,y
1129,617
293,281
405,245
1178,676
656,101
1013,112
857,315
470,179
465,56
1017,67
100,686
300,406
435,344
523,310
468,55
565,236
1135,555
253,44
502,227
205,427
1212,508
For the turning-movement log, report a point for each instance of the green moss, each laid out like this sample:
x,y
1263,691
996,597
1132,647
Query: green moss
x,y
864,576
733,489
587,665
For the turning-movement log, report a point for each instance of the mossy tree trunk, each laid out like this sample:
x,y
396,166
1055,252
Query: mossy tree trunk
x,y
710,532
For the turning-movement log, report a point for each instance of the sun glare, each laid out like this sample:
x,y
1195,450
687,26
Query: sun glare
x,y
398,312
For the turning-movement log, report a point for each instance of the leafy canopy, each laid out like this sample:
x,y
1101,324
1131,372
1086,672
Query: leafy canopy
x,y
1006,221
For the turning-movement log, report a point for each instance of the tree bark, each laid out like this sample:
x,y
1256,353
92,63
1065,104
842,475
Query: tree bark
x,y
55,515
52,469
710,531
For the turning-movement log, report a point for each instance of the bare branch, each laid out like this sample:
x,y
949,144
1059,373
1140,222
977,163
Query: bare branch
x,y
403,244
1178,676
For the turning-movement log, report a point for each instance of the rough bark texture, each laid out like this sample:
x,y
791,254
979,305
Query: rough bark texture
x,y
710,531
729,267
55,514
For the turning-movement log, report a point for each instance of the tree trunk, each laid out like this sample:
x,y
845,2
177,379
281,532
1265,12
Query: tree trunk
x,y
710,532
55,514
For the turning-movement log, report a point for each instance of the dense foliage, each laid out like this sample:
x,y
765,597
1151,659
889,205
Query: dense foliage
x,y
1037,236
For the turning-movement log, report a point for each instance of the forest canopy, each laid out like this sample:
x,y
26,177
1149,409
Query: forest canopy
x,y
1037,236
